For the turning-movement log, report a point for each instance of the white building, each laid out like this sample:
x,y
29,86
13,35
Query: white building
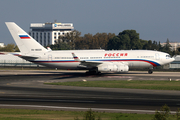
x,y
48,33
8,59
1,44
176,63
174,45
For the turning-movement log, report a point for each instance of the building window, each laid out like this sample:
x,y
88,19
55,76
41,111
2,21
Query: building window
x,y
44,42
44,35
36,35
33,35
48,42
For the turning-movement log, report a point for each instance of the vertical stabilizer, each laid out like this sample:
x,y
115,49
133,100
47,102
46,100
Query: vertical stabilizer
x,y
24,41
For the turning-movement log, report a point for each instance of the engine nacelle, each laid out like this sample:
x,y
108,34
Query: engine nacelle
x,y
113,67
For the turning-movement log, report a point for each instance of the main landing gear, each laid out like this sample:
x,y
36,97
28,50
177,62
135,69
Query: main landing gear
x,y
93,71
150,71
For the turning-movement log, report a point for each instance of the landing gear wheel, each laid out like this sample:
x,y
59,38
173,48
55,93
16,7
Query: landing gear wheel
x,y
93,72
150,71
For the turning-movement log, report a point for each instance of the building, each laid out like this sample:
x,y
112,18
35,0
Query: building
x,y
176,63
1,44
8,59
174,45
48,33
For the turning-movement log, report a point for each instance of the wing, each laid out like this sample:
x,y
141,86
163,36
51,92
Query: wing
x,y
86,63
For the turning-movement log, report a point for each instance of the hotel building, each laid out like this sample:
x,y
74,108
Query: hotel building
x,y
48,33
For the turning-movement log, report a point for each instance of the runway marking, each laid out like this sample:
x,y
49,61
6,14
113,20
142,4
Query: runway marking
x,y
84,80
129,79
77,101
118,76
80,108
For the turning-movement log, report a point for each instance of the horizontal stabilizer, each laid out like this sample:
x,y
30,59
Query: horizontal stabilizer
x,y
26,57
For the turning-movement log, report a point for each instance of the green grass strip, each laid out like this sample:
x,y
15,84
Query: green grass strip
x,y
133,84
23,114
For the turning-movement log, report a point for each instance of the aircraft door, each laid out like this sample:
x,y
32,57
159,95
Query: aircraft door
x,y
49,57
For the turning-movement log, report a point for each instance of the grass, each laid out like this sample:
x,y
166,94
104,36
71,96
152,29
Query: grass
x,y
133,84
23,114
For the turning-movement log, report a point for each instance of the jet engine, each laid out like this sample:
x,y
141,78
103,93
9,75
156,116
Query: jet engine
x,y
113,67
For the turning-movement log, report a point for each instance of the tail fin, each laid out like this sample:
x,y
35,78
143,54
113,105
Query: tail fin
x,y
25,42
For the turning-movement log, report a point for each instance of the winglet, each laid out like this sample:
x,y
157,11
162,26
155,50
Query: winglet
x,y
75,57
49,49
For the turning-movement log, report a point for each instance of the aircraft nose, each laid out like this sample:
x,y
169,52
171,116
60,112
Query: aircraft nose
x,y
172,59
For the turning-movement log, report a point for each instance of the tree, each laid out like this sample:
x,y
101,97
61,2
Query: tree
x,y
97,41
124,43
134,38
66,41
60,46
128,39
167,48
70,38
9,48
114,43
100,40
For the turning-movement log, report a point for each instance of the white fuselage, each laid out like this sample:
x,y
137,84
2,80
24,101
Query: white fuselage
x,y
134,58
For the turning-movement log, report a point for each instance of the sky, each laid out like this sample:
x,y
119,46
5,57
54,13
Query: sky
x,y
152,19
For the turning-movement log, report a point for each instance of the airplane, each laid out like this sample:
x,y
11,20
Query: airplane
x,y
95,61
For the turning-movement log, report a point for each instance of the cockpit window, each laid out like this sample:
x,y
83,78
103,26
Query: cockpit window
x,y
168,56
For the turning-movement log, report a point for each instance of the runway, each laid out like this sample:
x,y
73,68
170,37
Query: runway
x,y
25,89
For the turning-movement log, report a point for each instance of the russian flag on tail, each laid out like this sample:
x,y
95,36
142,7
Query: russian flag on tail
x,y
24,36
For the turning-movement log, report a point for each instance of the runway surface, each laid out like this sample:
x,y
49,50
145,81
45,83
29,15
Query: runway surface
x,y
25,89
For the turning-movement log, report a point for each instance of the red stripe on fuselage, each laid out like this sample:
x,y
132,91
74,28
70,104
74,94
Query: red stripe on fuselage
x,y
98,61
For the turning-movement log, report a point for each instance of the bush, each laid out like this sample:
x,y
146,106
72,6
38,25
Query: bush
x,y
89,115
163,114
178,114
